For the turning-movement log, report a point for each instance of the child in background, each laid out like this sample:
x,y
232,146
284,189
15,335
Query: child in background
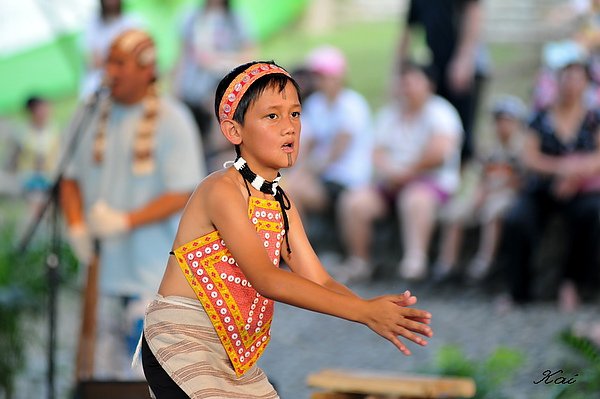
x,y
211,319
35,157
496,182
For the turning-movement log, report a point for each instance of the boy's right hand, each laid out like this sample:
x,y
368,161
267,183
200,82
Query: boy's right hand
x,y
390,317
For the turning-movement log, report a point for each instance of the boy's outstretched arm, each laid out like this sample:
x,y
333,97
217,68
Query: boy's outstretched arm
x,y
304,262
386,315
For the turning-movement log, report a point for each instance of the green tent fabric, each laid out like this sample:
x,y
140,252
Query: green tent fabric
x,y
51,70
54,69
266,17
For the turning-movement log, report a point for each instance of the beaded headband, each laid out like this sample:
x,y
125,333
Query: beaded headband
x,y
236,89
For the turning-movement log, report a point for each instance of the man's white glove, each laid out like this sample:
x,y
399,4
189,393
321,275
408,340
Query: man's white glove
x,y
106,221
81,243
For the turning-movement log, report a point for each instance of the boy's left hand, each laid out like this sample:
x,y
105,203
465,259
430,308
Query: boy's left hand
x,y
408,300
390,317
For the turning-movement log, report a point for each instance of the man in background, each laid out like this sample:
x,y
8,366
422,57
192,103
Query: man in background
x,y
131,175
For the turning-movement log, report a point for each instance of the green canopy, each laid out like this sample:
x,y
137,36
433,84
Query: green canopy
x,y
53,67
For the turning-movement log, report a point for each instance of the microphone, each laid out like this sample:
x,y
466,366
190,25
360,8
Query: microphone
x,y
101,91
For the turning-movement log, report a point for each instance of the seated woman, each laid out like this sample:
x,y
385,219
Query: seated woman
x,y
561,156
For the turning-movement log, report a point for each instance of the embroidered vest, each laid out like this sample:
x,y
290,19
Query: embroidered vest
x,y
240,315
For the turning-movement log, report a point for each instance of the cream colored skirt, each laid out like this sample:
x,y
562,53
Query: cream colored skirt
x,y
184,342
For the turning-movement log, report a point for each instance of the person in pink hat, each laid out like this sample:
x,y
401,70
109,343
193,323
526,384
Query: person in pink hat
x,y
337,128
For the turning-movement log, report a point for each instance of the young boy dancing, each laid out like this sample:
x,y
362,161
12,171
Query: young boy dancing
x,y
212,316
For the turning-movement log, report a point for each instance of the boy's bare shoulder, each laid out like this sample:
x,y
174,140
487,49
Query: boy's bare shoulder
x,y
220,186
221,181
218,189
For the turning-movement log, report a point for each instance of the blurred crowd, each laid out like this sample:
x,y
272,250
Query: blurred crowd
x,y
416,162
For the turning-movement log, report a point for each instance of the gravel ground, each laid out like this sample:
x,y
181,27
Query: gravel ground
x,y
304,342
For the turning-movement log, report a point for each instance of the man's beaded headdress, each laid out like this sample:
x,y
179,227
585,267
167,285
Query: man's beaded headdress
x,y
141,46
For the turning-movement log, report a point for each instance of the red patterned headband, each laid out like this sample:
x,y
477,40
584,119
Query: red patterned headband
x,y
236,89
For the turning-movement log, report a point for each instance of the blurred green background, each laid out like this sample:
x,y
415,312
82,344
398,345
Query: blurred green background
x,y
53,69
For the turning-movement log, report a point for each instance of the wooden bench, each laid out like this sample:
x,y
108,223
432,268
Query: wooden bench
x,y
361,384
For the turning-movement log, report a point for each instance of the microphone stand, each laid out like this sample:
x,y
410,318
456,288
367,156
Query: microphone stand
x,y
52,204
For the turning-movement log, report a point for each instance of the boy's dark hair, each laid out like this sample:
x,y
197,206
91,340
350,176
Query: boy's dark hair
x,y
428,70
275,80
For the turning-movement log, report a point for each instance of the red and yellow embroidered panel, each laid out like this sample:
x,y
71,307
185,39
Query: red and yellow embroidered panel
x,y
241,316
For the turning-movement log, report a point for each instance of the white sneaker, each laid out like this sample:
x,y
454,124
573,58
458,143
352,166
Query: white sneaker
x,y
359,269
412,269
353,270
478,268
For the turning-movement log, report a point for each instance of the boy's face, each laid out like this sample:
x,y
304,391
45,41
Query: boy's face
x,y
271,130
